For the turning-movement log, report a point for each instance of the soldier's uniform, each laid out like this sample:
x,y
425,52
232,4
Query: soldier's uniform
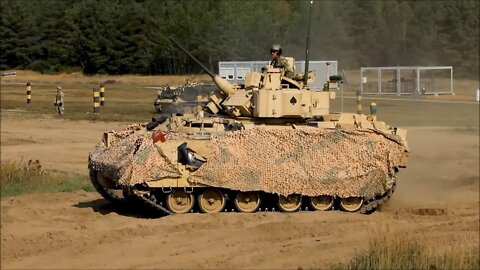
x,y
278,61
59,100
282,62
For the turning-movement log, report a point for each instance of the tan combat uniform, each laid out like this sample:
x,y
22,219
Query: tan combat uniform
x,y
59,101
282,62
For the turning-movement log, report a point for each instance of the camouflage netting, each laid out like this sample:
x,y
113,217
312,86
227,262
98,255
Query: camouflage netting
x,y
309,162
283,161
132,158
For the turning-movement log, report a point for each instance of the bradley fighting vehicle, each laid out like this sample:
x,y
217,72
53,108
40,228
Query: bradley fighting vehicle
x,y
173,99
167,95
271,143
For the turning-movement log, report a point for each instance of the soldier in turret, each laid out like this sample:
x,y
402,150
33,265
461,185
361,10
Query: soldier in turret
x,y
278,61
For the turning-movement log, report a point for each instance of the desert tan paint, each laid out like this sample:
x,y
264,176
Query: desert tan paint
x,y
270,95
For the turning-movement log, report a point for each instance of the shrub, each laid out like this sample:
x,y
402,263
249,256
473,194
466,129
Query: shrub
x,y
18,177
41,66
401,250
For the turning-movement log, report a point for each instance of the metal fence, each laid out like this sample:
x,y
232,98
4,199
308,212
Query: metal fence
x,y
411,80
236,71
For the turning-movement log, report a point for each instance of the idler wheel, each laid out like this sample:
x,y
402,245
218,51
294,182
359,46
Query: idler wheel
x,y
321,203
351,204
106,187
290,203
211,201
180,202
247,202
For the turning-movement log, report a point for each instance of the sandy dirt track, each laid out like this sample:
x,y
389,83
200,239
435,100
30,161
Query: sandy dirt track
x,y
437,197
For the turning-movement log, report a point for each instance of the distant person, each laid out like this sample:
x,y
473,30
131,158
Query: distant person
x,y
278,61
59,100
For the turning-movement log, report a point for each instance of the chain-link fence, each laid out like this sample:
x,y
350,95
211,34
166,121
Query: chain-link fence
x,y
414,80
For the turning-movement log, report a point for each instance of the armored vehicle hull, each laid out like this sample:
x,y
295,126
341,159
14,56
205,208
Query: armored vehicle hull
x,y
215,164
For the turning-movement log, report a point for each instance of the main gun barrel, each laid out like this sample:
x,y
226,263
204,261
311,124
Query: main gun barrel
x,y
212,75
223,85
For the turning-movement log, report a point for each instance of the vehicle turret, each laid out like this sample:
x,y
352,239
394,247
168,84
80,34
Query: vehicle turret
x,y
267,95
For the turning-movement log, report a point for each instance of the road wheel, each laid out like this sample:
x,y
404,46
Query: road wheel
x,y
290,203
247,202
211,201
179,202
321,203
351,204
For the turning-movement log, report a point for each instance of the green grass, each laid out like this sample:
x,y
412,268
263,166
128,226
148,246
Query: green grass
x,y
404,250
20,177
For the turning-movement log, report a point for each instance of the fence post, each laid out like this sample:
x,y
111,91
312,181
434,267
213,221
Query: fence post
x,y
96,103
341,91
359,102
102,95
29,92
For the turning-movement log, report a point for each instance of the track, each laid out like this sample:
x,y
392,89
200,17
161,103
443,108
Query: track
x,y
154,200
374,203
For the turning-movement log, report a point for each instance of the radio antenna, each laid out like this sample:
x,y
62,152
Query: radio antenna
x,y
307,51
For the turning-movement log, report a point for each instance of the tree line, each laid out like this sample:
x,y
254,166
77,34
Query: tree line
x,y
131,36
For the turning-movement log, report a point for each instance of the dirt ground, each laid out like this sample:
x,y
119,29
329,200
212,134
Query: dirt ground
x,y
437,199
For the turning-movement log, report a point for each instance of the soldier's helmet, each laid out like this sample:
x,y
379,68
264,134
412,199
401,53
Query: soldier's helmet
x,y
277,48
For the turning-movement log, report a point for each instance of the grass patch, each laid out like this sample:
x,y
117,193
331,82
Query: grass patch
x,y
403,250
20,177
129,98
